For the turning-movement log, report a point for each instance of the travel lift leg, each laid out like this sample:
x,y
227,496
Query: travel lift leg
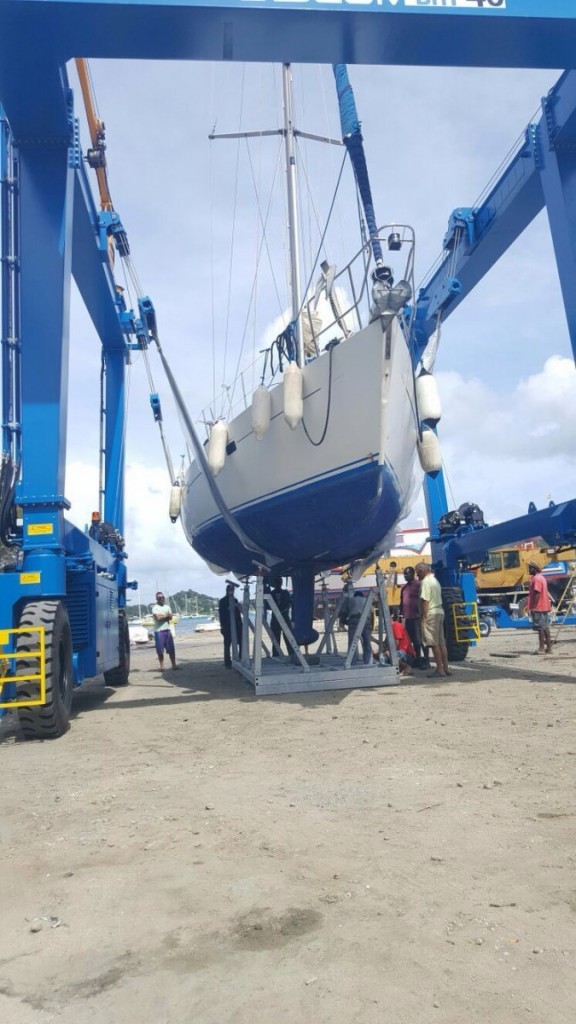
x,y
458,588
557,155
32,596
61,571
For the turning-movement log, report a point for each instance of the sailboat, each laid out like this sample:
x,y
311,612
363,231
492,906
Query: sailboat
x,y
195,612
319,467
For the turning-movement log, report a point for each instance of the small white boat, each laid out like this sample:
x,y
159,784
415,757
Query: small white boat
x,y
208,627
138,633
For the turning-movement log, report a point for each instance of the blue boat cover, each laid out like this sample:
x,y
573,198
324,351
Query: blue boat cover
x,y
352,139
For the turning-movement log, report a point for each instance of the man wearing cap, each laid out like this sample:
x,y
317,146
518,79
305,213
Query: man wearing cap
x,y
539,606
163,631
432,619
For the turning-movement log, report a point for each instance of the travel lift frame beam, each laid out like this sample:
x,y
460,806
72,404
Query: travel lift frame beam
x,y
541,173
60,230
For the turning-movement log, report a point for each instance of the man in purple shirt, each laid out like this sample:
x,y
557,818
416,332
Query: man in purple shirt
x,y
410,612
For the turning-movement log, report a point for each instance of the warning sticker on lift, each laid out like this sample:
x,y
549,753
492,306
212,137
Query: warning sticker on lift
x,y
34,529
30,577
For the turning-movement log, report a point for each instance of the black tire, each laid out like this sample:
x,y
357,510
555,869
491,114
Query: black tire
x,y
49,720
119,676
456,651
485,627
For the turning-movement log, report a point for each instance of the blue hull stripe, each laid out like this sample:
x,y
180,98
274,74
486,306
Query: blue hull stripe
x,y
305,484
329,522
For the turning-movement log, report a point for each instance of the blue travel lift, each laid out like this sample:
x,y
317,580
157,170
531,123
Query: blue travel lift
x,y
541,173
63,593
63,590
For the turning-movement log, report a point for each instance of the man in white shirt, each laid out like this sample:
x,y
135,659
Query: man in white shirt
x,y
163,631
432,619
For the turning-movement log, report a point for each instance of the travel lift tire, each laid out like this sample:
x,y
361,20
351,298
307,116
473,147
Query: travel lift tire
x,y
49,720
456,651
119,676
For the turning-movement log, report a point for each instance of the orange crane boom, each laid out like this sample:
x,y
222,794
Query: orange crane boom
x,y
96,156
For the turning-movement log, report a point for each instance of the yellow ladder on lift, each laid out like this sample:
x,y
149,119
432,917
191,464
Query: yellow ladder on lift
x,y
6,657
465,621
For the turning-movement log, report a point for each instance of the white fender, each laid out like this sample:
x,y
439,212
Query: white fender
x,y
429,452
175,502
261,405
217,447
428,399
293,395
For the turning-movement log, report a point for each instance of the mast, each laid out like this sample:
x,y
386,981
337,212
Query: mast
x,y
289,136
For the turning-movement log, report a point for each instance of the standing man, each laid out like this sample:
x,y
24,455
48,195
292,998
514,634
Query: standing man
x,y
227,607
283,599
163,631
410,612
352,609
539,607
432,619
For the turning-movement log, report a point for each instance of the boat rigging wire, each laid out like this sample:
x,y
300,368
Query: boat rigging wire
x,y
514,149
311,205
330,211
264,221
267,559
253,292
97,160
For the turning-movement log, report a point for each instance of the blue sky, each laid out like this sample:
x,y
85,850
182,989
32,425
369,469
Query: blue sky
x,y
433,137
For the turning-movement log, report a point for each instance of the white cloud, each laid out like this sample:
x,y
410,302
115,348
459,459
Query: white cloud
x,y
158,553
504,451
535,422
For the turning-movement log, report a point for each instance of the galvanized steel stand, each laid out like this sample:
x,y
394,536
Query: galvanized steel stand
x,y
326,668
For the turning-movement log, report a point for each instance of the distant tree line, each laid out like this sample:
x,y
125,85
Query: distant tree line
x,y
185,602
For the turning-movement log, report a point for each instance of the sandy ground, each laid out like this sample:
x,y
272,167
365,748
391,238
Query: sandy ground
x,y
190,854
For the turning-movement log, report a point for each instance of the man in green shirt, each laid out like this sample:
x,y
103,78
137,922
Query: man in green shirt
x,y
432,619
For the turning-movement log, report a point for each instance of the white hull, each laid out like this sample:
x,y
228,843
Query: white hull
x,y
283,489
